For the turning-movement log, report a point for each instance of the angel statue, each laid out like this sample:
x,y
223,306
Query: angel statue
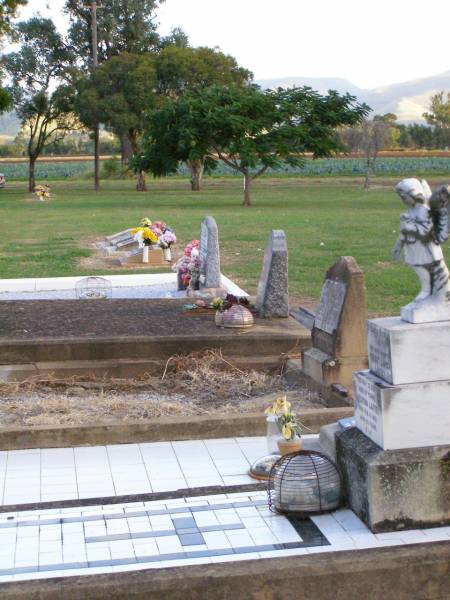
x,y
422,231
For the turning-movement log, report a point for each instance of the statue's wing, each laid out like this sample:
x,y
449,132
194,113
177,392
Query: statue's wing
x,y
426,189
439,203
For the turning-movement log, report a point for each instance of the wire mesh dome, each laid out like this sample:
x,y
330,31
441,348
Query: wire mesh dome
x,y
93,288
237,316
304,483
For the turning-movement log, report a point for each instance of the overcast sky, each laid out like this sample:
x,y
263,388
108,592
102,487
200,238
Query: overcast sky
x,y
371,43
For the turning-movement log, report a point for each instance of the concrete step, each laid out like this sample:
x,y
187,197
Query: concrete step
x,y
115,368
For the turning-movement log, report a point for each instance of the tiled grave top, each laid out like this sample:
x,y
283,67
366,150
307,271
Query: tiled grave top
x,y
60,474
176,532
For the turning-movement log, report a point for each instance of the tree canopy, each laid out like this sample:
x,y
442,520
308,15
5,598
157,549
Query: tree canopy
x,y
117,94
439,111
8,10
122,27
122,89
248,129
41,97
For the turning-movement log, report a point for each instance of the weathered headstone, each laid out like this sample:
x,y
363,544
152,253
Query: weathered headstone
x,y
272,297
209,254
339,333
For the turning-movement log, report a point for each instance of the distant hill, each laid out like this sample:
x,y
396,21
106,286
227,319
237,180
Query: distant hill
x,y
408,100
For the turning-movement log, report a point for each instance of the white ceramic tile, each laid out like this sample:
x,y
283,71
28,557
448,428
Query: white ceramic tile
x,y
169,544
144,548
216,540
124,454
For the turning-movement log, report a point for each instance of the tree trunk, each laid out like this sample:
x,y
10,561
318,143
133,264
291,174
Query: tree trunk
x,y
369,174
247,181
141,185
126,149
196,169
31,175
97,158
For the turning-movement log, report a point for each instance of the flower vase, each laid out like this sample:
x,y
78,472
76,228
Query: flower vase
x,y
145,254
167,254
181,285
273,434
289,446
218,319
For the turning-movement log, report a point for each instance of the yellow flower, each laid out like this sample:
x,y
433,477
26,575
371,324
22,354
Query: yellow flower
x,y
280,405
287,431
149,235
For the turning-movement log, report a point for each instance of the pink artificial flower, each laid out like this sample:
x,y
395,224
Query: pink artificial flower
x,y
169,237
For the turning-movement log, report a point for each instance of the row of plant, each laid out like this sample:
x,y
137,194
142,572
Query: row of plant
x,y
320,167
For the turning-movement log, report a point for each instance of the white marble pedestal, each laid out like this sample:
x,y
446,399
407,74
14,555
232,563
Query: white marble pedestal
x,y
404,416
396,461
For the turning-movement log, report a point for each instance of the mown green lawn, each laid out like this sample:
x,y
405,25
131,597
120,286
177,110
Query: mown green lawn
x,y
323,219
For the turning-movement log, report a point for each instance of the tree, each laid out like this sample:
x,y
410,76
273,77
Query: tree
x,y
181,68
118,93
122,27
123,88
439,111
8,10
41,98
369,137
248,129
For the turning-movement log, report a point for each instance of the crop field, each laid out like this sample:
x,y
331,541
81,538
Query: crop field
x,y
323,219
53,170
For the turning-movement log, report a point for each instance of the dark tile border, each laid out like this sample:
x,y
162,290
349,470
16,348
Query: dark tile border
x,y
153,496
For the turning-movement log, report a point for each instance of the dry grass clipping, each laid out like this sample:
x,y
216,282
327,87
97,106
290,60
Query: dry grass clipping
x,y
196,384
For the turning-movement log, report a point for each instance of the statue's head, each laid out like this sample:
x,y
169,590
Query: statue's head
x,y
413,191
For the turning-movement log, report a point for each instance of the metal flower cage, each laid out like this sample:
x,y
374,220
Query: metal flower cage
x,y
304,483
93,288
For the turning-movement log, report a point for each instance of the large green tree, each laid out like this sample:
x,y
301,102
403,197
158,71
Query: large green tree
x,y
248,129
125,87
122,27
41,97
182,69
118,93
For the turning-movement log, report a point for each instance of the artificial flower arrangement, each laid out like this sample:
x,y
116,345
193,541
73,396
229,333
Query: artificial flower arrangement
x,y
43,192
221,304
287,424
188,266
157,233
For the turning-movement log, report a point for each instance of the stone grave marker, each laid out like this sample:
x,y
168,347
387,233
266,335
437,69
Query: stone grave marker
x,y
339,333
210,254
272,297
